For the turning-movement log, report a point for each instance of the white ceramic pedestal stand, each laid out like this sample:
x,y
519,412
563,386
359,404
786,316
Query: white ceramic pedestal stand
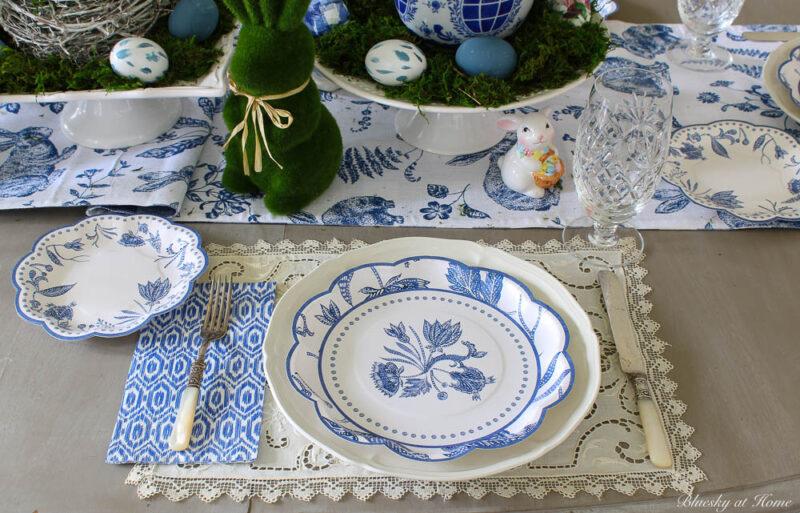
x,y
449,134
442,129
103,124
117,119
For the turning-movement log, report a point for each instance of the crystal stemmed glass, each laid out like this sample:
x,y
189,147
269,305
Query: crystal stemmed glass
x,y
623,139
704,19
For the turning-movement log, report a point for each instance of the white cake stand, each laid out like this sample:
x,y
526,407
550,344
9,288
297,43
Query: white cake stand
x,y
443,129
116,119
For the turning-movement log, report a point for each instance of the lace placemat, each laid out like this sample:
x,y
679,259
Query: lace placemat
x,y
605,452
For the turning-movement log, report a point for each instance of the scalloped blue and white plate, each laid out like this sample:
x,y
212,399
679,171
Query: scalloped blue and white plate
x,y
107,275
429,357
750,171
789,74
560,420
780,94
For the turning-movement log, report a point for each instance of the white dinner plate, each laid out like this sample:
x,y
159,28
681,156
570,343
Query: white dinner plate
x,y
560,421
429,357
774,86
107,275
750,171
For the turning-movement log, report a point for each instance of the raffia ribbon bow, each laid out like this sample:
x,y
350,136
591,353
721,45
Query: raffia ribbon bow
x,y
257,109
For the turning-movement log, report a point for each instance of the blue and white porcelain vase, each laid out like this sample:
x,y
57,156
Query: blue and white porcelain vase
x,y
451,22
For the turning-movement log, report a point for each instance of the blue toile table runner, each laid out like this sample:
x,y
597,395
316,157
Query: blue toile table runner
x,y
385,182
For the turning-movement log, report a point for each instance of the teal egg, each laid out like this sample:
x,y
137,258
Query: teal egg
x,y
491,56
197,18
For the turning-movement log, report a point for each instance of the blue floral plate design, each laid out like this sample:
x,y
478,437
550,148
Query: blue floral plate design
x,y
429,357
107,275
750,171
789,74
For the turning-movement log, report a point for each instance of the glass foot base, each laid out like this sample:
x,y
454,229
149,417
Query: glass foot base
x,y
713,58
579,238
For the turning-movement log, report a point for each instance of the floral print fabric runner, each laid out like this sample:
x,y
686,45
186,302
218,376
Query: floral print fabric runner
x,y
40,167
382,180
386,182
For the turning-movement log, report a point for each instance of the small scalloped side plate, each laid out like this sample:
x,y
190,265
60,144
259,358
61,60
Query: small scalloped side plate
x,y
750,171
107,275
789,74
429,357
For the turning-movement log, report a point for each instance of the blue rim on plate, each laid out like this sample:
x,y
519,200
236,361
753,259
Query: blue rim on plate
x,y
481,286
793,84
717,139
162,261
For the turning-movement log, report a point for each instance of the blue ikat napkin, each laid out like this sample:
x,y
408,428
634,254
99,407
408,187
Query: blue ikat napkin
x,y
228,418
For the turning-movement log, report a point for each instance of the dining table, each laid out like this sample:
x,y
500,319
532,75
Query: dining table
x,y
726,302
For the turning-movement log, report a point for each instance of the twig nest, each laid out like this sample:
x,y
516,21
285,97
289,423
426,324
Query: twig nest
x,y
139,58
198,18
394,62
75,29
491,56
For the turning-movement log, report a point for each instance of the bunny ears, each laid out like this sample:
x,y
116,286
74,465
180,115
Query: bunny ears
x,y
278,14
513,122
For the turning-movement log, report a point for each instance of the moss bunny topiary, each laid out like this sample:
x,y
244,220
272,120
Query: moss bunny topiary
x,y
300,148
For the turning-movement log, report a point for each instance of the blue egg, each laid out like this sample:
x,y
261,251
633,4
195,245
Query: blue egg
x,y
197,18
491,56
2,44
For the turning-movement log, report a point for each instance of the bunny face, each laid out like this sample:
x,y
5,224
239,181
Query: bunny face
x,y
533,129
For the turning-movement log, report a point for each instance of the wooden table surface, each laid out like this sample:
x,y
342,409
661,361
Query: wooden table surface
x,y
728,304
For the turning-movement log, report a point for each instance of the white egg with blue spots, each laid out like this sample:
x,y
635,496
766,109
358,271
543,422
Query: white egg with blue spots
x,y
140,58
394,62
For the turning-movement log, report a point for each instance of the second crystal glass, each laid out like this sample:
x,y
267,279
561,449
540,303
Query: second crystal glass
x,y
623,138
704,19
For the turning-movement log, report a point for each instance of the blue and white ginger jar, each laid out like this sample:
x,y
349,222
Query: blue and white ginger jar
x,y
451,22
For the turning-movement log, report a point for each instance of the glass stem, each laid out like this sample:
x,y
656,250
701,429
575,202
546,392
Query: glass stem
x,y
699,47
604,235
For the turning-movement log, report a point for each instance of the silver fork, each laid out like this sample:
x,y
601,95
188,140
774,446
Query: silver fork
x,y
215,325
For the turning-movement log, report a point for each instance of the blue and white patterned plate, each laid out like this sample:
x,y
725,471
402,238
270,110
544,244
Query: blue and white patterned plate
x,y
429,357
789,74
107,275
750,171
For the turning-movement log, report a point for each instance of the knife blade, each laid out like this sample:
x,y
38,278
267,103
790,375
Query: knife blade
x,y
770,36
632,363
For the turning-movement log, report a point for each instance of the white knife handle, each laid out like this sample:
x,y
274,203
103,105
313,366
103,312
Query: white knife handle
x,y
654,435
184,420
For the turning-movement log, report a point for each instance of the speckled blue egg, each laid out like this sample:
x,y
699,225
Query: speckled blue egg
x,y
394,61
491,56
197,18
138,57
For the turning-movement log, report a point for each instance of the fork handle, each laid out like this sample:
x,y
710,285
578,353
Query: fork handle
x,y
184,419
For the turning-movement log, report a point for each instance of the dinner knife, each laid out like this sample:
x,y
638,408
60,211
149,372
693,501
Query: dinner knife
x,y
632,363
770,36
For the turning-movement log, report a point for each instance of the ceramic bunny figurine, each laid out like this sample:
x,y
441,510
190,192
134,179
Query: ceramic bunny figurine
x,y
532,165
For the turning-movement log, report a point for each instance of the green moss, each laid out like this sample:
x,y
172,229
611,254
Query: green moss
x,y
188,59
551,52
